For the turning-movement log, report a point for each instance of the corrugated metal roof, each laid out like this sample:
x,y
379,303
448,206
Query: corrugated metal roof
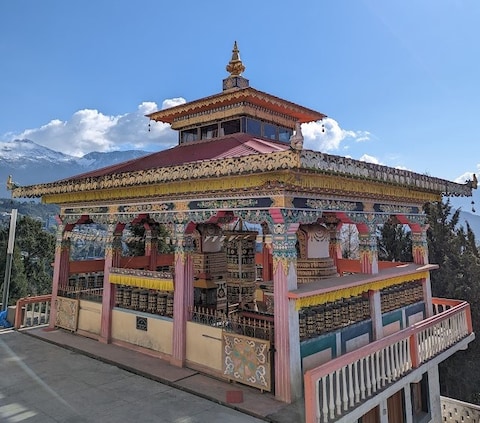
x,y
236,145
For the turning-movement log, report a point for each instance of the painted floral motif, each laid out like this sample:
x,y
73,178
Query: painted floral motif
x,y
67,313
246,360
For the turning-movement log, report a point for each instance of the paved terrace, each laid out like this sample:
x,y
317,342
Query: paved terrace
x,y
255,405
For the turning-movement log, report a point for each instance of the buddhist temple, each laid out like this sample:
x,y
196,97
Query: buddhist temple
x,y
251,285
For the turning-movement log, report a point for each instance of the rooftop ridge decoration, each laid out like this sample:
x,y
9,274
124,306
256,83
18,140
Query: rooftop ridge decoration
x,y
307,160
235,66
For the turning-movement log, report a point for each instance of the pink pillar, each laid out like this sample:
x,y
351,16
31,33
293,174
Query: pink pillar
x,y
151,248
182,300
376,313
113,252
288,376
420,246
60,269
420,257
367,245
335,244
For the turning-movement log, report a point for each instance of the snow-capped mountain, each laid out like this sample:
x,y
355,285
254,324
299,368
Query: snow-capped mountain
x,y
30,163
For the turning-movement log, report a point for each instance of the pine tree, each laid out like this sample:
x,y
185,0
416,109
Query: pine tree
x,y
32,260
394,243
454,249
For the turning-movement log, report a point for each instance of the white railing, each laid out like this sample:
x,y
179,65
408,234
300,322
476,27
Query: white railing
x,y
32,311
336,387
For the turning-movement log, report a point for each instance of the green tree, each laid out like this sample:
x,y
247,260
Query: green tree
x,y
454,249
32,259
135,241
394,243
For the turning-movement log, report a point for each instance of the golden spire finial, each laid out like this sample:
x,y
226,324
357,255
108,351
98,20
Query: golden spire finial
x,y
235,66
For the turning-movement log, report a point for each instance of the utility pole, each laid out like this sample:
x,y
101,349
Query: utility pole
x,y
8,264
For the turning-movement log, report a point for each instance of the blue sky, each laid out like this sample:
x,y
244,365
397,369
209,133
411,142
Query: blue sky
x,y
399,81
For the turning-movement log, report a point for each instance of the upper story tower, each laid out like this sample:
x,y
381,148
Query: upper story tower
x,y
239,108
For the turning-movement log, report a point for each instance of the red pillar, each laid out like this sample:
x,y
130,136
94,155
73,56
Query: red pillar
x,y
60,268
151,247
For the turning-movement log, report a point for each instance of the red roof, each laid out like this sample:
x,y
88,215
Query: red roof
x,y
235,145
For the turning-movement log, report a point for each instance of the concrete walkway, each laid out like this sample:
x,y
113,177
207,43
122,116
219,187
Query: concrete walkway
x,y
254,403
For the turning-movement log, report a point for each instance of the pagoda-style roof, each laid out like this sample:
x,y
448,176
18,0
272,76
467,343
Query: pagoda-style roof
x,y
246,98
243,155
245,164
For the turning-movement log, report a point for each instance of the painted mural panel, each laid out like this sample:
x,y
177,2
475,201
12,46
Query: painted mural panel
x,y
247,360
67,313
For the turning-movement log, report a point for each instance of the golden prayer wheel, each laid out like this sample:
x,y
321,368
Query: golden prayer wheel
x,y
119,296
152,301
143,300
127,297
169,305
162,304
135,299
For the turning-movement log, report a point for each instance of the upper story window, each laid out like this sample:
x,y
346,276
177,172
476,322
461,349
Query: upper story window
x,y
209,131
284,134
189,135
253,127
245,124
270,131
230,127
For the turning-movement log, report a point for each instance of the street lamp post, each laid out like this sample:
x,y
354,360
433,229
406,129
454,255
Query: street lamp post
x,y
8,264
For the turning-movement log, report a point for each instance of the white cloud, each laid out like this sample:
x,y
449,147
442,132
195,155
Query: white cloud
x,y
90,130
369,159
172,102
327,135
467,176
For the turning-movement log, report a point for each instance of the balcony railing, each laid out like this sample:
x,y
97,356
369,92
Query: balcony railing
x,y
33,311
335,388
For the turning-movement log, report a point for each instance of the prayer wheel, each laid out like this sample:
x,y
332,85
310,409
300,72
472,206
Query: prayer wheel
x,y
162,304
143,300
127,297
152,301
169,305
119,296
135,299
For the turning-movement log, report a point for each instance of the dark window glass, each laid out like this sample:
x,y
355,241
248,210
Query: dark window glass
x,y
189,135
269,131
254,127
209,131
230,127
284,134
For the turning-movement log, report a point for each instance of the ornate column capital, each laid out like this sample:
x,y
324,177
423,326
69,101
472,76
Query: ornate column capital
x,y
420,246
367,247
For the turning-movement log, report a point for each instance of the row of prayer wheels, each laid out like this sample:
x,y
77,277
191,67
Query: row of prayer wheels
x,y
315,321
149,301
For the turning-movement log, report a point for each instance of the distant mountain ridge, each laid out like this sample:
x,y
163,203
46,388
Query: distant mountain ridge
x,y
30,163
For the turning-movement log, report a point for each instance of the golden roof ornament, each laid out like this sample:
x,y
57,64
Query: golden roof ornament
x,y
235,80
235,66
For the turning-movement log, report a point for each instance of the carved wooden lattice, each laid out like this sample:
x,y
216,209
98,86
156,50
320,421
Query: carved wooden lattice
x,y
247,360
67,313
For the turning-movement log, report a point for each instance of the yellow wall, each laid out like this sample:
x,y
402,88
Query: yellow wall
x,y
157,337
204,345
90,317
